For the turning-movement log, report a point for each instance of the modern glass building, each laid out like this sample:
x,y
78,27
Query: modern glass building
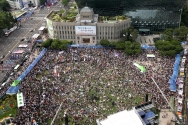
x,y
150,15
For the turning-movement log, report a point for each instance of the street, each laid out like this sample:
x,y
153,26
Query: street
x,y
34,22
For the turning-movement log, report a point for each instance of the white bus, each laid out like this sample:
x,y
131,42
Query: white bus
x,y
17,68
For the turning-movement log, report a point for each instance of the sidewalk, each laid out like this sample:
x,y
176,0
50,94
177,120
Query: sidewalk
x,y
165,117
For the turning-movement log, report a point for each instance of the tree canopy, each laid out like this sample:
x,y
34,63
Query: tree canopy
x,y
42,2
56,44
4,5
104,42
131,34
132,48
179,34
65,2
168,48
6,20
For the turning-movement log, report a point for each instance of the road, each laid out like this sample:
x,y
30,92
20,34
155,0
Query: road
x,y
34,22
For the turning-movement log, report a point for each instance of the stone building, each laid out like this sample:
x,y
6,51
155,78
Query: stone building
x,y
87,28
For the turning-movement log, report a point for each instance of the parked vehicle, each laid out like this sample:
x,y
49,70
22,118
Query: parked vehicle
x,y
8,33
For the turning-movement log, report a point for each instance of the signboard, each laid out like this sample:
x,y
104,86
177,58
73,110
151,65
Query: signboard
x,y
50,28
85,30
20,101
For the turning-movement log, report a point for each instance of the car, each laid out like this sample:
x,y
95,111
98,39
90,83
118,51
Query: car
x,y
31,30
22,39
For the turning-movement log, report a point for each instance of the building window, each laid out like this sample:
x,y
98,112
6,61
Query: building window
x,y
93,38
85,16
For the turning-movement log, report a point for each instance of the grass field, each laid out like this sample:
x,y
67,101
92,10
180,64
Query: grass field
x,y
8,106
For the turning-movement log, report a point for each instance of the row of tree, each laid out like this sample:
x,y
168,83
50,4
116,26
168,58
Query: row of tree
x,y
65,2
56,44
130,48
6,21
4,5
168,48
179,34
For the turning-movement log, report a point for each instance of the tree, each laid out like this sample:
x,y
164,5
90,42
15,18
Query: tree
x,y
65,2
168,34
112,44
131,34
168,48
6,21
42,2
184,16
181,33
4,5
47,43
104,43
120,45
132,48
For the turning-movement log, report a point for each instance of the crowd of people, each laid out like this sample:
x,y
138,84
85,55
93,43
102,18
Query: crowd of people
x,y
91,83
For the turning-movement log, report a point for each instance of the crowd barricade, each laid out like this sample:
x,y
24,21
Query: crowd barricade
x,y
15,88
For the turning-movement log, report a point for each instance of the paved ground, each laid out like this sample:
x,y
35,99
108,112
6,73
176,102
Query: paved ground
x,y
34,22
165,117
147,39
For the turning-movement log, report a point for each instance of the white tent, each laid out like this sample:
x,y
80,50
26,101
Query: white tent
x,y
22,45
35,36
42,28
180,86
123,118
180,92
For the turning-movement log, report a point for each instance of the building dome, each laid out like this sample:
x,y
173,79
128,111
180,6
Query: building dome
x,y
86,9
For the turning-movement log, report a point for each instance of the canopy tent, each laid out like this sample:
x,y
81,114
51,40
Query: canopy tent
x,y
39,41
42,28
12,90
181,79
180,92
150,55
142,68
174,76
123,118
35,36
23,46
147,47
180,86
18,51
181,69
30,67
179,108
180,100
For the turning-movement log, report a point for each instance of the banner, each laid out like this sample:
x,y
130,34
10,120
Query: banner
x,y
142,68
20,101
50,28
15,83
150,55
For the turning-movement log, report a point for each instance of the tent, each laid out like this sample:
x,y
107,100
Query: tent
x,y
22,45
39,41
35,36
42,28
142,68
18,51
12,90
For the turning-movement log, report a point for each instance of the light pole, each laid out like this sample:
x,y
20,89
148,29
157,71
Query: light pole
x,y
179,121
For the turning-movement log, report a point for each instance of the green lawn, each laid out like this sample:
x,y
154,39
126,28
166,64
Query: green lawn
x,y
8,105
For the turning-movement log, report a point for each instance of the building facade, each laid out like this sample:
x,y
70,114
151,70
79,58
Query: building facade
x,y
87,28
153,15
19,4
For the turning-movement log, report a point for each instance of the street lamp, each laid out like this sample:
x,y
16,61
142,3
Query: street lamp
x,y
179,121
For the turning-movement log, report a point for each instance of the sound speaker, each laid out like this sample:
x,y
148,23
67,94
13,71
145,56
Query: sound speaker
x,y
146,97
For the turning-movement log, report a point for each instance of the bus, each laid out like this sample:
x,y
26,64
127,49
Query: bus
x,y
17,68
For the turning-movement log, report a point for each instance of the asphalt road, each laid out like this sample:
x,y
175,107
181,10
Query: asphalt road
x,y
34,22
